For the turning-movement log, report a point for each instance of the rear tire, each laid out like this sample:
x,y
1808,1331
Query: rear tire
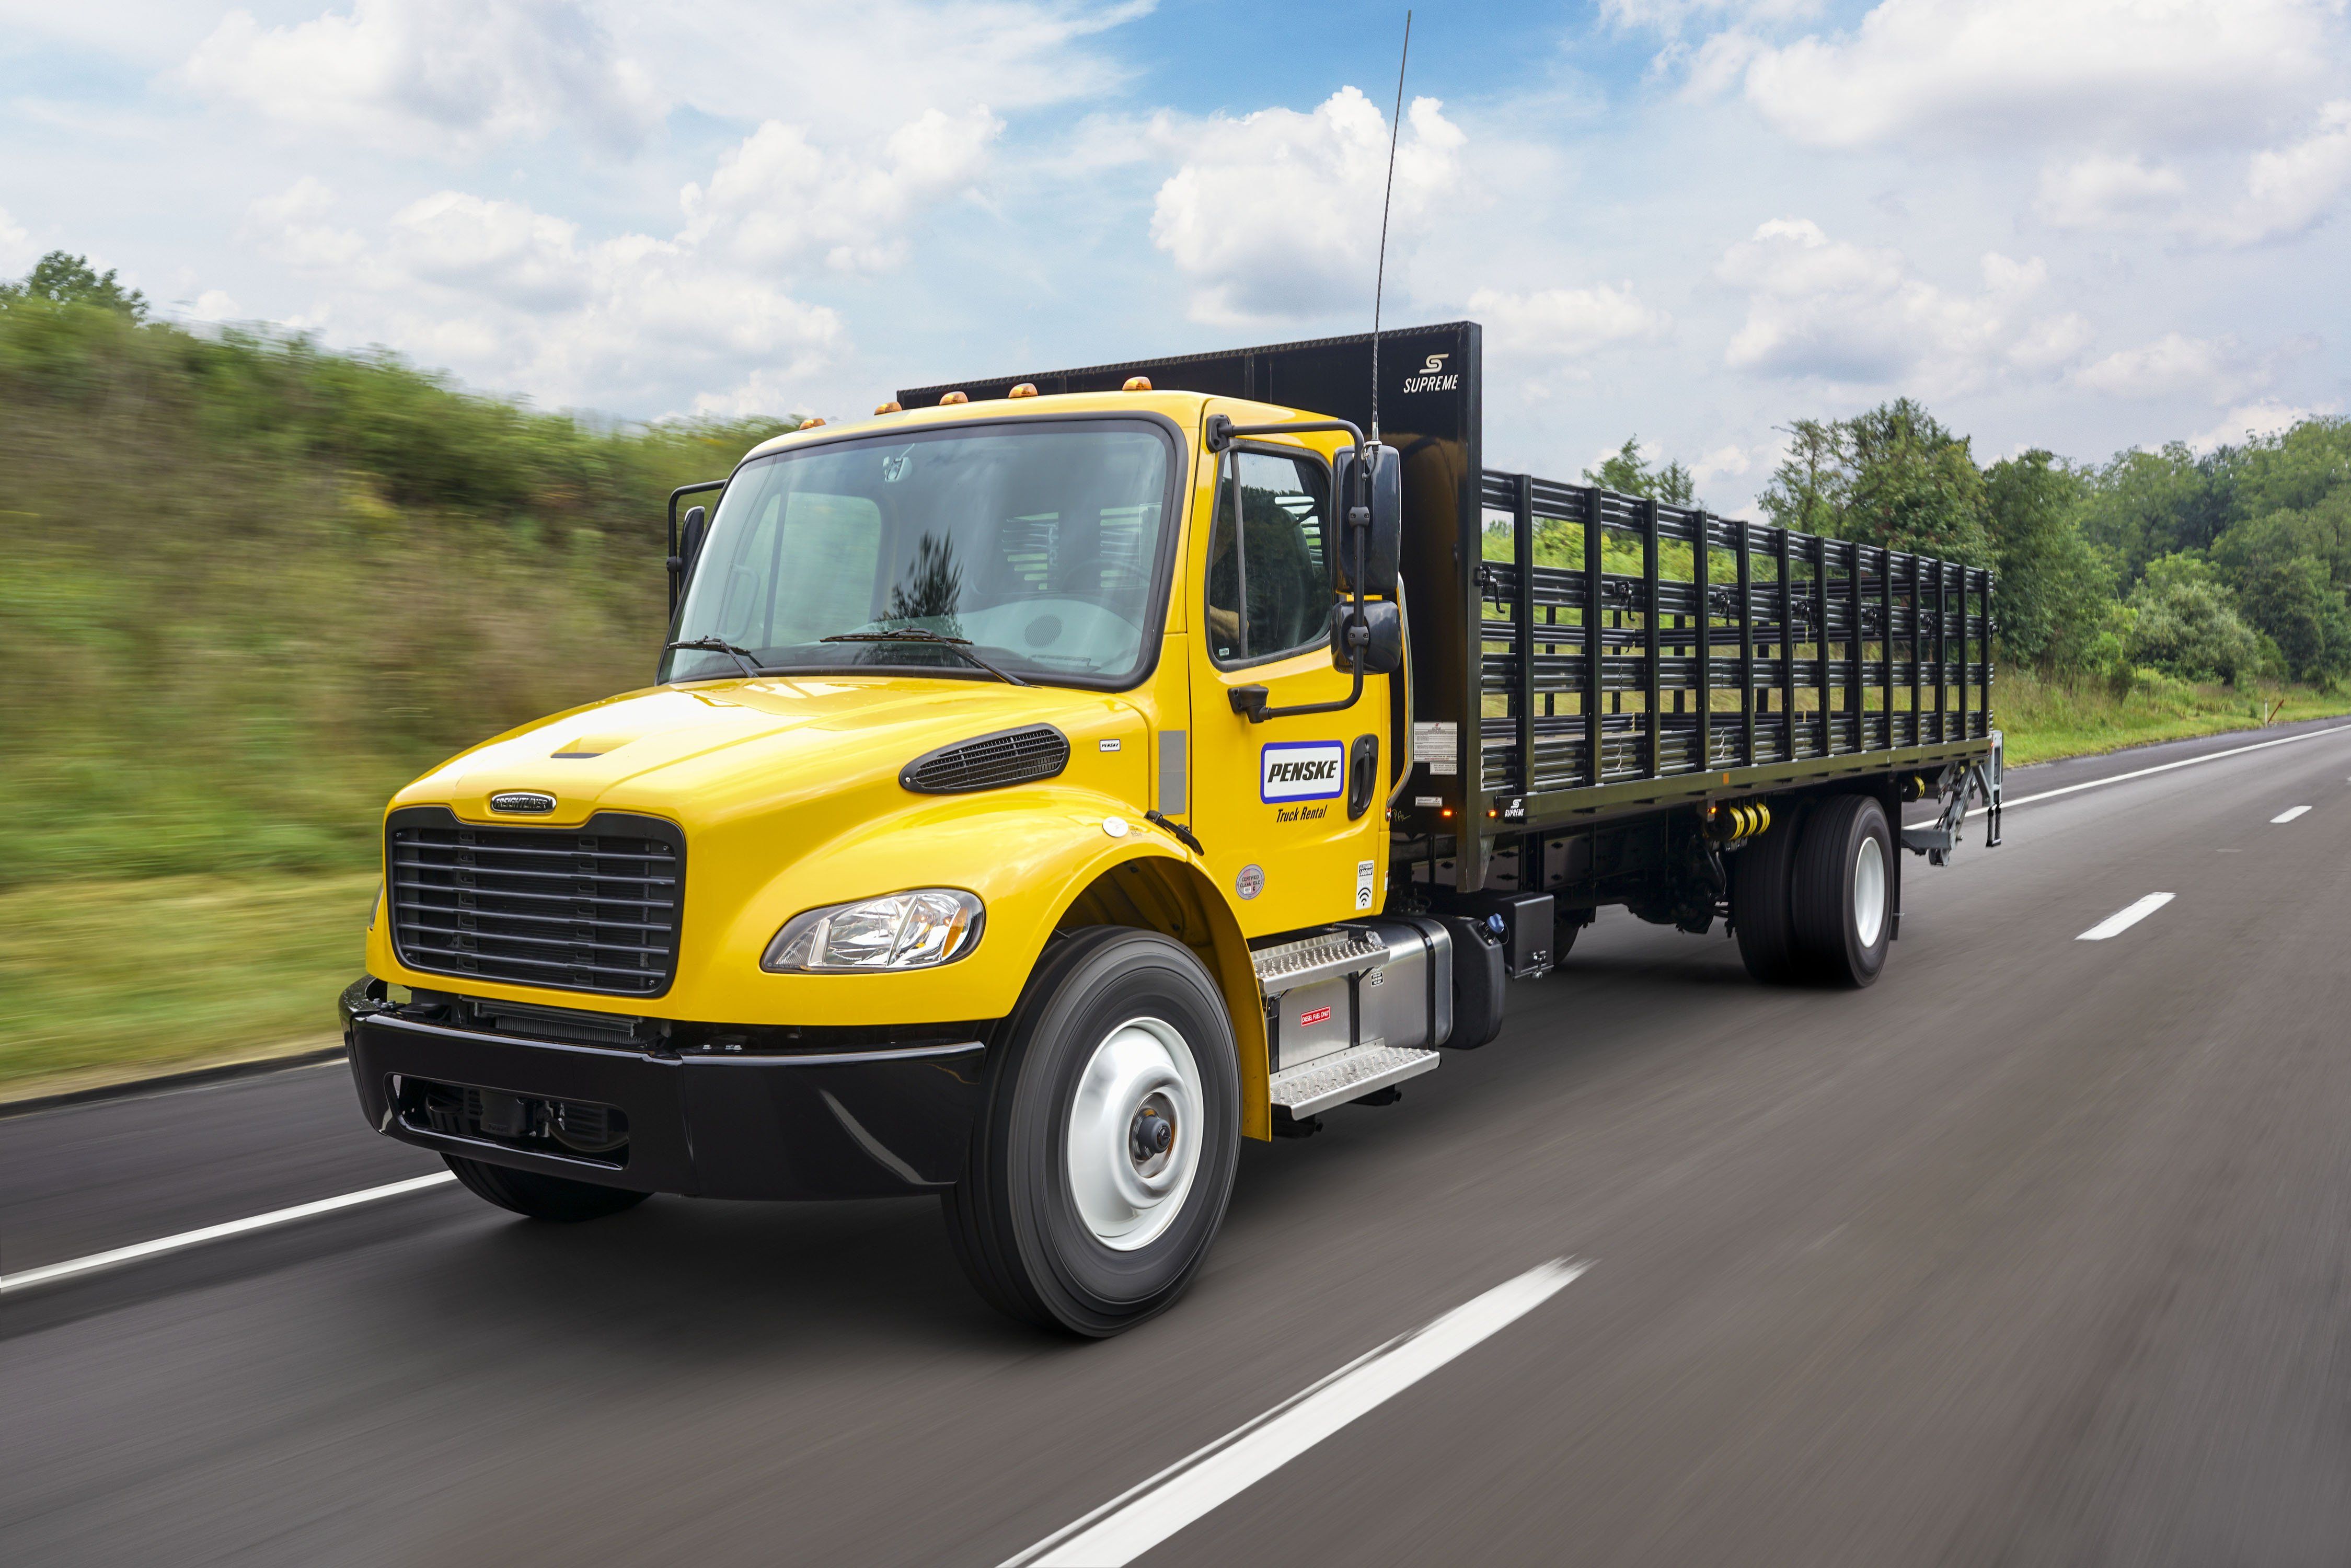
x,y
552,1198
1069,1216
1760,912
1843,891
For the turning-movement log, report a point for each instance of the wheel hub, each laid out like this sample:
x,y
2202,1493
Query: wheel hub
x,y
1131,1155
1869,891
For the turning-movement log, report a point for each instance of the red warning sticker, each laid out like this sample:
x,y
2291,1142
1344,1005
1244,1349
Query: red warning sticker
x,y
1308,1021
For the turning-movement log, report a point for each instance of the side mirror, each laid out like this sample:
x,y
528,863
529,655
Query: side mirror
x,y
1384,543
689,544
1383,654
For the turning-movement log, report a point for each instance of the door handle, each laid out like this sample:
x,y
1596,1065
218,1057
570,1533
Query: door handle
x,y
1362,774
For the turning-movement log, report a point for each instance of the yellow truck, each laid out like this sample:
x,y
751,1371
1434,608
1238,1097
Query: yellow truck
x,y
1049,783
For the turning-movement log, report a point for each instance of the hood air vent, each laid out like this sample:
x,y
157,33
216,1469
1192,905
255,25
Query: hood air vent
x,y
990,761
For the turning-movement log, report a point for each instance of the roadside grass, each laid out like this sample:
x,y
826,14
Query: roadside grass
x,y
107,981
2042,721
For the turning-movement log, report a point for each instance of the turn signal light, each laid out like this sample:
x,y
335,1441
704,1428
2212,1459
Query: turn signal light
x,y
1026,389
1137,383
953,397
890,407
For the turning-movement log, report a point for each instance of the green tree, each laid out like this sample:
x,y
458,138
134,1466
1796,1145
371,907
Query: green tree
x,y
2143,504
1892,476
2283,570
1916,486
58,279
1808,489
2185,623
2055,590
1629,474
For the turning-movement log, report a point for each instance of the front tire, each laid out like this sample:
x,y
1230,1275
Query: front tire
x,y
1104,1152
552,1198
1843,891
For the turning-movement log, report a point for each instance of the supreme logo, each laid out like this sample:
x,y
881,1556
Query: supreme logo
x,y
1308,1021
1301,771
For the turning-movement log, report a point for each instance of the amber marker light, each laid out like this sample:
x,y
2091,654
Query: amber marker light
x,y
1026,389
890,407
1137,383
953,397
812,423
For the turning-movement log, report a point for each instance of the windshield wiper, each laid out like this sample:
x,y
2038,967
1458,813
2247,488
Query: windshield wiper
x,y
917,634
720,645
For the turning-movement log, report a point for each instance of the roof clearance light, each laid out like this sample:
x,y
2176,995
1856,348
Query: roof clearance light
x,y
1137,383
953,397
812,423
890,407
1026,389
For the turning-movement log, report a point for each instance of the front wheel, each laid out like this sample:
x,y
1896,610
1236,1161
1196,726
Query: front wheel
x,y
1104,1151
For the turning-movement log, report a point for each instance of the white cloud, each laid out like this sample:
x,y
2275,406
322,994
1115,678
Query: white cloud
x,y
2177,71
2173,364
447,74
777,198
501,293
1857,315
2102,191
2252,419
16,251
1277,214
1566,323
2292,188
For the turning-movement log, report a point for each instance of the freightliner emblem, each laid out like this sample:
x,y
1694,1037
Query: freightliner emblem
x,y
522,800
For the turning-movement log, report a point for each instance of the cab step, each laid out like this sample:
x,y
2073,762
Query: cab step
x,y
1345,1075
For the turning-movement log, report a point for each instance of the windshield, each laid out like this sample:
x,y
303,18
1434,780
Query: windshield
x,y
1037,543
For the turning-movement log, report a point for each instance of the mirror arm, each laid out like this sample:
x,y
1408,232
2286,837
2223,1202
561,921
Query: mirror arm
x,y
676,561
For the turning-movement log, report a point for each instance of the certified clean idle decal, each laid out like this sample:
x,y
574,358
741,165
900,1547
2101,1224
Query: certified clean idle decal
x,y
1301,771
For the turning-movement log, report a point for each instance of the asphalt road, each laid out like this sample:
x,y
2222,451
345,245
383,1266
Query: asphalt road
x,y
2039,1252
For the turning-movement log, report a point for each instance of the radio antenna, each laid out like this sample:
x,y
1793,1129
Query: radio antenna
x,y
1379,283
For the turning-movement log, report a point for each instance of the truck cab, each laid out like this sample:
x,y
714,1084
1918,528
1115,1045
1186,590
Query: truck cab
x,y
1047,784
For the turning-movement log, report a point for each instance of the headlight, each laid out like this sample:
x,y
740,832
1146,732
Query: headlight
x,y
916,930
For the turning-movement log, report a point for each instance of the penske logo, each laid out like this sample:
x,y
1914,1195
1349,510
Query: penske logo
x,y
1301,771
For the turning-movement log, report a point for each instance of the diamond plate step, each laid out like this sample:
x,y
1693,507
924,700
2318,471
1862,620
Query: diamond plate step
x,y
1349,950
1345,1075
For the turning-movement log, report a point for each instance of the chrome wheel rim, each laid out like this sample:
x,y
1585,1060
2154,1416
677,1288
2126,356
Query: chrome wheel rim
x,y
1135,1133
1869,891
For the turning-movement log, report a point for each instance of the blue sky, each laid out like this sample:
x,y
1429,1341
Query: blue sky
x,y
2081,224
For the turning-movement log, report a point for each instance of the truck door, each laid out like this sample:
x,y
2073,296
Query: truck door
x,y
1271,800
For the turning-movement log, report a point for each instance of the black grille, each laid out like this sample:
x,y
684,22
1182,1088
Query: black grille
x,y
990,761
584,909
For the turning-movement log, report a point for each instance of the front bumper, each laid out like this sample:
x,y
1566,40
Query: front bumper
x,y
866,1123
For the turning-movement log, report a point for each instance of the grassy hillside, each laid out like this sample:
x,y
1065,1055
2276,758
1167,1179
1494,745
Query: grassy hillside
x,y
249,588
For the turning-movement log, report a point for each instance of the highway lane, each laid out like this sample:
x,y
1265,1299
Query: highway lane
x,y
2033,1252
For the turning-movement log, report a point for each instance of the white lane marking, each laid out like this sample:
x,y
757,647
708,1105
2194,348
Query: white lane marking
x,y
1133,1522
2289,815
96,1261
2160,767
2122,920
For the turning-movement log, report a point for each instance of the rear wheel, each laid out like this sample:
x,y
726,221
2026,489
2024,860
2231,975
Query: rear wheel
x,y
1760,912
1843,891
542,1196
1105,1149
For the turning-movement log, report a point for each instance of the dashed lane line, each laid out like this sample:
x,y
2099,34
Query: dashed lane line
x,y
1134,1521
131,1254
2289,815
2122,920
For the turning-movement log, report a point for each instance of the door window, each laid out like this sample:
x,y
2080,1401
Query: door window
x,y
1270,583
